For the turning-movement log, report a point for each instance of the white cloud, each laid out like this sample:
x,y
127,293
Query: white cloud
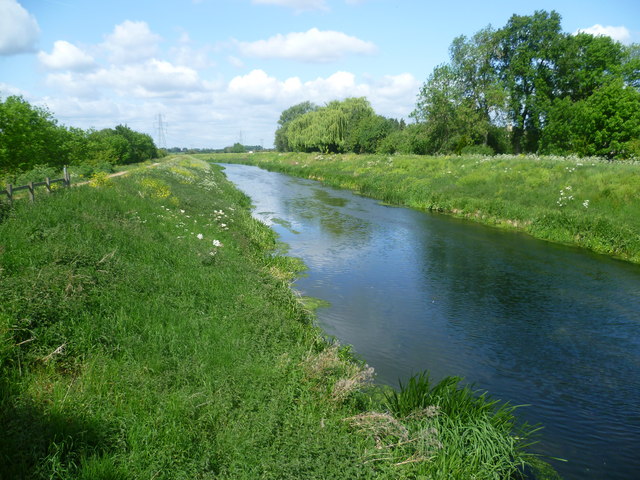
x,y
206,113
19,30
297,5
66,56
390,96
620,34
310,46
131,42
153,78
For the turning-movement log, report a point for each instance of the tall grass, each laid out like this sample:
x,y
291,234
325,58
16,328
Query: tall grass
x,y
476,433
584,202
148,330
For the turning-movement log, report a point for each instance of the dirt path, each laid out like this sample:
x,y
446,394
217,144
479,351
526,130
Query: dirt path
x,y
117,174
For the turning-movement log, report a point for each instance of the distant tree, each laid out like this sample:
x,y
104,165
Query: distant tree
x,y
320,130
355,110
286,117
237,148
141,146
370,132
452,119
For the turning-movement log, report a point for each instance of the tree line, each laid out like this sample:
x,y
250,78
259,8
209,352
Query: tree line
x,y
524,88
31,136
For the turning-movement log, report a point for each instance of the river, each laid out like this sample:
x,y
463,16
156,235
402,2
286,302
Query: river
x,y
535,323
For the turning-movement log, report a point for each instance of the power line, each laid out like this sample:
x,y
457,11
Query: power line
x,y
161,129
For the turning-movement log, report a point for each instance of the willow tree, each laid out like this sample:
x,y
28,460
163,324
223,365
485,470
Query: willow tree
x,y
286,117
330,128
321,130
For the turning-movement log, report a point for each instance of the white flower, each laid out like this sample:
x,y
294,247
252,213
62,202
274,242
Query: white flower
x,y
181,211
200,236
585,204
217,243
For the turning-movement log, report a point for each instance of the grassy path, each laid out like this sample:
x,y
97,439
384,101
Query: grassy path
x,y
147,330
582,202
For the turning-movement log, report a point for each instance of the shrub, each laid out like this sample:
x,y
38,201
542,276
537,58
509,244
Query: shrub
x,y
37,174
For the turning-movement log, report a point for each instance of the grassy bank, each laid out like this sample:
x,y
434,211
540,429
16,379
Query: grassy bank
x,y
148,330
584,202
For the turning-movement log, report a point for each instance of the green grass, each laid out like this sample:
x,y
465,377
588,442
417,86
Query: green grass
x,y
589,203
148,330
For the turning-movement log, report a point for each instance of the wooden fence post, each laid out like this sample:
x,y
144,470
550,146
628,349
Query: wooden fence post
x,y
10,193
47,182
31,192
67,177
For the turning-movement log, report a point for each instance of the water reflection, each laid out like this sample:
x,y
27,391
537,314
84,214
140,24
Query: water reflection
x,y
533,323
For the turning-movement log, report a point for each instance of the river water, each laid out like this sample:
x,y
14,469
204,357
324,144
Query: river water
x,y
533,323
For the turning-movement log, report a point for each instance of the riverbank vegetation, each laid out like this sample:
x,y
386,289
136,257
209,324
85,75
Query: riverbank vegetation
x,y
589,203
33,145
527,87
148,330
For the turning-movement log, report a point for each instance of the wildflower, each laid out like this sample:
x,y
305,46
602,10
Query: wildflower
x,y
200,236
585,204
217,243
181,211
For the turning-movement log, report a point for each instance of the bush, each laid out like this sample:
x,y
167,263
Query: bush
x,y
37,174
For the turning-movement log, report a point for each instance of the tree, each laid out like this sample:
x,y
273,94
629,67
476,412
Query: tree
x,y
606,123
527,52
141,146
286,117
631,65
28,136
587,63
355,110
452,119
370,132
332,128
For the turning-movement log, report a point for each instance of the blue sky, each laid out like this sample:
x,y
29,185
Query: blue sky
x,y
220,71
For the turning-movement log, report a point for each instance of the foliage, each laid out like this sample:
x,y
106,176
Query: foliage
x,y
350,125
31,136
519,89
483,427
524,88
286,117
607,123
